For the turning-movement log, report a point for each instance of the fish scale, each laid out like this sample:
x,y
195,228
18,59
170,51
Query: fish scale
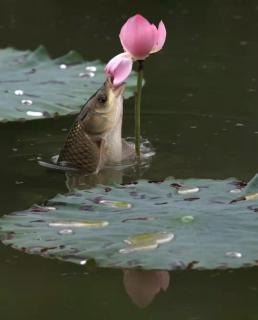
x,y
95,137
80,150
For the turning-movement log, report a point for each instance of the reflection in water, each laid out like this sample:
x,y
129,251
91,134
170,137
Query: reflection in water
x,y
82,181
142,286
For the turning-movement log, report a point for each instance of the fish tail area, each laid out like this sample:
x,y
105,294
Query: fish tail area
x,y
79,150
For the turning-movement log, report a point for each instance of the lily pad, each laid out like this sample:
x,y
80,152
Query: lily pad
x,y
34,86
146,224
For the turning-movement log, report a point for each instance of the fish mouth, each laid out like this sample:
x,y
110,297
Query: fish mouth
x,y
117,90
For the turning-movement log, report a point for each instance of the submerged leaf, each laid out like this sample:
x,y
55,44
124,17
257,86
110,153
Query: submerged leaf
x,y
34,86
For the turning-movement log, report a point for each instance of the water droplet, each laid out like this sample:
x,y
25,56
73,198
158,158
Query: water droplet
x,y
239,124
50,208
134,248
146,241
250,197
65,231
234,254
86,74
91,68
189,94
237,17
14,149
235,190
80,224
34,113
193,127
116,204
243,43
150,238
19,182
62,66
18,92
83,262
186,190
187,219
37,208
27,102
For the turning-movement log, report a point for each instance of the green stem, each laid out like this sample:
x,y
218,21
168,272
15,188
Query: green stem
x,y
138,98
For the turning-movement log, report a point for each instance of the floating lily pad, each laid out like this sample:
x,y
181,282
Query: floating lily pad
x,y
34,86
146,224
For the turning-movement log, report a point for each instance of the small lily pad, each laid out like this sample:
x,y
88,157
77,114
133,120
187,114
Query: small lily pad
x,y
34,86
123,227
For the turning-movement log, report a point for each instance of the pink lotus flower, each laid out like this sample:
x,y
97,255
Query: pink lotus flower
x,y
140,38
119,68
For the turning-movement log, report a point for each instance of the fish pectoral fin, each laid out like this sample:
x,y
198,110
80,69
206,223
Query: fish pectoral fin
x,y
101,144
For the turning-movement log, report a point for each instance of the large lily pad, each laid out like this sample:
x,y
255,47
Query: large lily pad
x,y
34,86
154,225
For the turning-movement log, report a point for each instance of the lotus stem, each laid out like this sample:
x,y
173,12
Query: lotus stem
x,y
138,97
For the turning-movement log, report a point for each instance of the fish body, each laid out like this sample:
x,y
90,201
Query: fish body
x,y
96,135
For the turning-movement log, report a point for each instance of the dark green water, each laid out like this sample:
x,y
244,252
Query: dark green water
x,y
200,112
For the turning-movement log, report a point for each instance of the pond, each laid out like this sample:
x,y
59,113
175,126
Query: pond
x,y
200,114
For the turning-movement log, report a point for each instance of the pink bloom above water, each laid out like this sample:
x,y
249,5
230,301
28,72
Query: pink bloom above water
x,y
140,38
119,68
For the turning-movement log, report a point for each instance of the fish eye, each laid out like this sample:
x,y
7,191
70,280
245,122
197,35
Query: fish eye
x,y
102,98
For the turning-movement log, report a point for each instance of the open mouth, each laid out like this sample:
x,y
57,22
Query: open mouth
x,y
117,90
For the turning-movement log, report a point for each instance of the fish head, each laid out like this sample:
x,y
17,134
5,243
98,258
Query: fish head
x,y
104,109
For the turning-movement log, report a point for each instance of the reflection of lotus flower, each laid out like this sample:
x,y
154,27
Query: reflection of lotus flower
x,y
140,38
119,68
143,286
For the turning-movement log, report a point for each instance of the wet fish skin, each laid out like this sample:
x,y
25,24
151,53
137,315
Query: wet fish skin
x,y
95,137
